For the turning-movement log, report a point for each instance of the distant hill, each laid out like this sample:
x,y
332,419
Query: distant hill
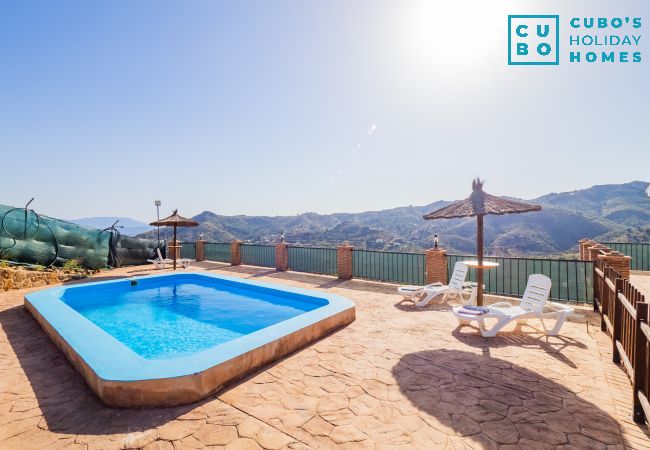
x,y
131,227
618,212
625,204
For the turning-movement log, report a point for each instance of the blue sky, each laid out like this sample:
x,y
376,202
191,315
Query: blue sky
x,y
286,107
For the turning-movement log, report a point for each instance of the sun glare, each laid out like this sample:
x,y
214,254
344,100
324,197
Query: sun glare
x,y
440,39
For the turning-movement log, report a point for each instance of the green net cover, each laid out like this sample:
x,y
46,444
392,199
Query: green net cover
x,y
130,251
31,238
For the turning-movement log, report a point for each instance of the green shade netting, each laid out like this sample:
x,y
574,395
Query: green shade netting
x,y
130,251
31,238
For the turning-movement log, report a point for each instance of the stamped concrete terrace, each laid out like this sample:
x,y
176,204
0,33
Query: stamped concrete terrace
x,y
397,377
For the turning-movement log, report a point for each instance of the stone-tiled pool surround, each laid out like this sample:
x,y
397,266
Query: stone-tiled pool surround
x,y
120,377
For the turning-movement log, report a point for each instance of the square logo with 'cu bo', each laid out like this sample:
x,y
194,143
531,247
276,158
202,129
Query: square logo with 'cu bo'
x,y
533,40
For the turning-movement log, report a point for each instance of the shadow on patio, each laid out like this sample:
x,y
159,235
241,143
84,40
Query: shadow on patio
x,y
492,401
522,335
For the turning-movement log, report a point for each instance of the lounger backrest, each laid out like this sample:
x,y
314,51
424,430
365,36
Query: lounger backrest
x,y
458,276
537,292
159,254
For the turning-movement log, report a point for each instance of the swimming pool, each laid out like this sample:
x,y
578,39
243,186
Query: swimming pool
x,y
171,339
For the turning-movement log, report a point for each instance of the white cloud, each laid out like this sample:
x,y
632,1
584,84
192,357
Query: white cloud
x,y
372,129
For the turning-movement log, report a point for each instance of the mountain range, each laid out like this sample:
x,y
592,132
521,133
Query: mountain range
x,y
615,212
126,225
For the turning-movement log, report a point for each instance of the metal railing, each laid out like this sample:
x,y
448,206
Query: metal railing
x,y
217,251
188,250
389,266
572,279
258,255
312,259
640,253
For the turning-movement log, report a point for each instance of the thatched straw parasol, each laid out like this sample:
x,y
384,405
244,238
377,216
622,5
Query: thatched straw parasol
x,y
174,221
480,204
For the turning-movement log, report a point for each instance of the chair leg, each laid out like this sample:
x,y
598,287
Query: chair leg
x,y
425,301
492,332
560,318
413,297
472,297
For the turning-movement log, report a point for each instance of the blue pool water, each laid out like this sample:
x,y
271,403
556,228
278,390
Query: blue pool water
x,y
163,318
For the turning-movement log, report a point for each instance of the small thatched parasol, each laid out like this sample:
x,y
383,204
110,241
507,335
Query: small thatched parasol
x,y
174,221
480,204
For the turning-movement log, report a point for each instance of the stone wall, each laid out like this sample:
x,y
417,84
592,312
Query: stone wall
x,y
344,261
436,265
19,278
593,251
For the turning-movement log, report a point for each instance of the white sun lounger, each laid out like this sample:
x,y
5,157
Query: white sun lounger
x,y
531,306
185,262
422,295
160,262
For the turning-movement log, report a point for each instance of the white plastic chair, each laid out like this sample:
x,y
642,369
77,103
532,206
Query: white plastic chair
x,y
422,295
531,306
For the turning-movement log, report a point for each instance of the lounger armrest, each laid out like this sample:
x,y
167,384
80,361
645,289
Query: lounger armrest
x,y
436,289
559,306
410,288
500,304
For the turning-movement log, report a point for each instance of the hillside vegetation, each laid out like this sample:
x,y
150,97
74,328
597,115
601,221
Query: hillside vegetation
x,y
609,212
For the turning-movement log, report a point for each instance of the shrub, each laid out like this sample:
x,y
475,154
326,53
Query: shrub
x,y
5,255
73,265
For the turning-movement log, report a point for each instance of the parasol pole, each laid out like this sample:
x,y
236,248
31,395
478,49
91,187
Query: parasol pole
x,y
479,252
174,246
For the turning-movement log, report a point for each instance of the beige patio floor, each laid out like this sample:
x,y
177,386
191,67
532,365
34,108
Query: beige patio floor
x,y
641,281
396,378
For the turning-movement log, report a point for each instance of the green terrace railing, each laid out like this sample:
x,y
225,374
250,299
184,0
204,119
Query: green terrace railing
x,y
313,259
258,255
217,251
640,253
572,279
188,250
388,266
